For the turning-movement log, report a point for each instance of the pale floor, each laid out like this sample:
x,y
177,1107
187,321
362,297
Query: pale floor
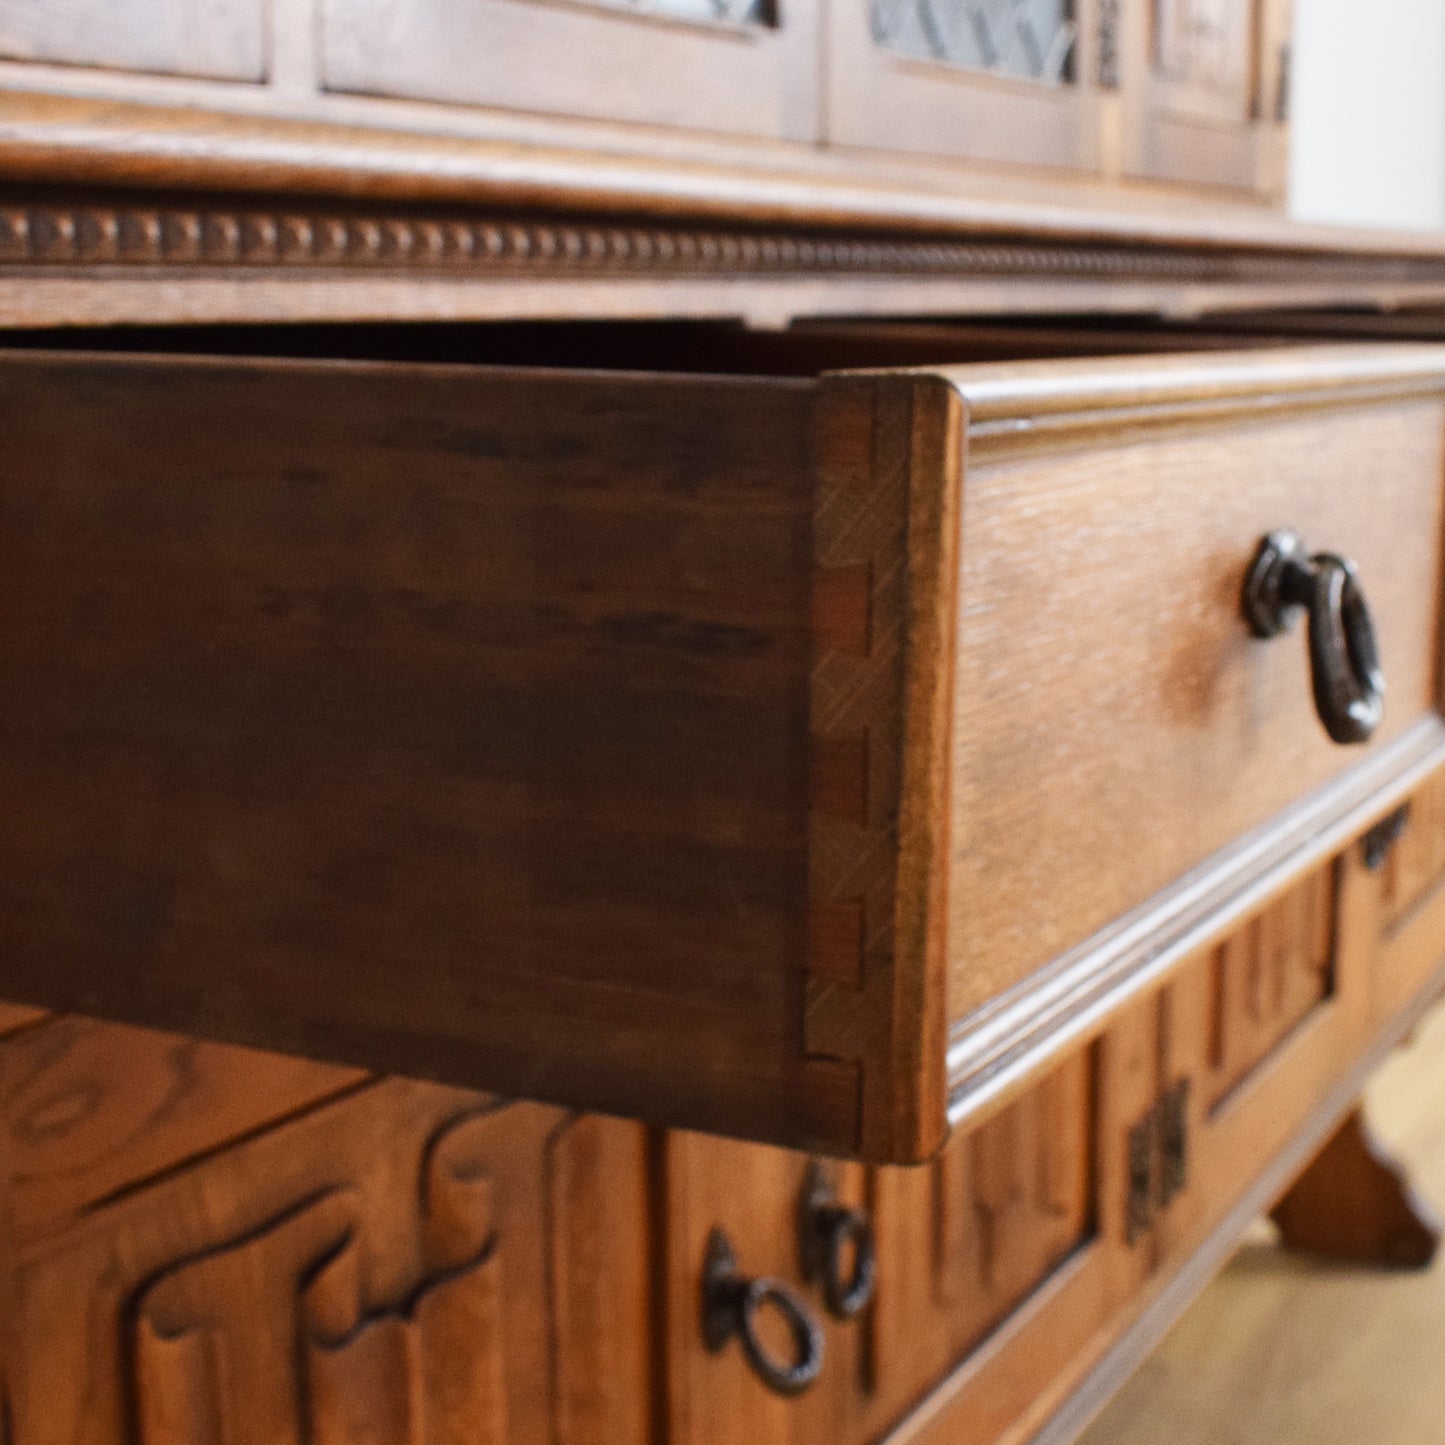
x,y
1282,1351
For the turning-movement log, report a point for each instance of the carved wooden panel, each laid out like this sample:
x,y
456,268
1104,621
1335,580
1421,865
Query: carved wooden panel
x,y
206,1245
966,1238
1266,977
1413,866
753,1193
961,1243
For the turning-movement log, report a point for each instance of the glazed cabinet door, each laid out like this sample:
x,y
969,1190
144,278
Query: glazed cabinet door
x,y
1207,97
740,67
1012,82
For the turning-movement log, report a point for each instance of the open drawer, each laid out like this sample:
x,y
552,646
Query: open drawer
x,y
802,757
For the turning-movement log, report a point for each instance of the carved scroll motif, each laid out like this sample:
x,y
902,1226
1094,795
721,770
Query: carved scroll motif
x,y
431,1370
272,1341
214,1338
209,1247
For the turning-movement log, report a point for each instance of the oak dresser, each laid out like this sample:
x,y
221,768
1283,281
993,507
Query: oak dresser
x,y
720,720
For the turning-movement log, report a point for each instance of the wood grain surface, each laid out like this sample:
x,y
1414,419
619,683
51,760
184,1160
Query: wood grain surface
x,y
1286,1349
200,1244
444,721
1115,720
587,736
286,1251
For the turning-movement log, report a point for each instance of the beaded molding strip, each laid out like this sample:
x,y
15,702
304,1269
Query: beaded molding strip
x,y
60,234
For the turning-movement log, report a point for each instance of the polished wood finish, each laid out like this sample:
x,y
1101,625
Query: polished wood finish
x,y
360,1258
836,743
79,258
800,226
1268,976
697,641
1405,893
1071,782
1352,1351
362,723
811,73
1354,1203
1243,1150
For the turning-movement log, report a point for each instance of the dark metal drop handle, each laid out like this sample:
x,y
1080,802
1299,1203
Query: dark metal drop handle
x,y
828,1231
731,1304
1349,686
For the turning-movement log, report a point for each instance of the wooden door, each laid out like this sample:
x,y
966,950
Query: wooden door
x,y
1263,1032
1408,897
998,1264
1207,93
745,67
1015,81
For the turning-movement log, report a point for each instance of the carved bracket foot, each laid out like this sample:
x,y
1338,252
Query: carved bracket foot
x,y
1354,1203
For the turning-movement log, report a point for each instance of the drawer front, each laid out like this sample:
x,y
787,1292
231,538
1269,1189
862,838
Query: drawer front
x,y
214,39
1130,762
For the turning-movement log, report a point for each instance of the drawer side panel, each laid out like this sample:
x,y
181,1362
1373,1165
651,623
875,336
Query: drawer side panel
x,y
435,720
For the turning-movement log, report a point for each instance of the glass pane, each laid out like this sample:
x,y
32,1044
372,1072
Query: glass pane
x,y
726,12
1029,38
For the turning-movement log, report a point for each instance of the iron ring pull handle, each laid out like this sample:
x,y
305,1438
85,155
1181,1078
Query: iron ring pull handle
x,y
1345,673
827,1231
731,1304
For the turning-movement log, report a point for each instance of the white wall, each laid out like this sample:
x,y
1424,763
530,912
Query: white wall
x,y
1368,112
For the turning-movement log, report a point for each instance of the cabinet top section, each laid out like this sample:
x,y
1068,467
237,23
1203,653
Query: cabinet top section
x,y
259,218
51,138
724,159
761,160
